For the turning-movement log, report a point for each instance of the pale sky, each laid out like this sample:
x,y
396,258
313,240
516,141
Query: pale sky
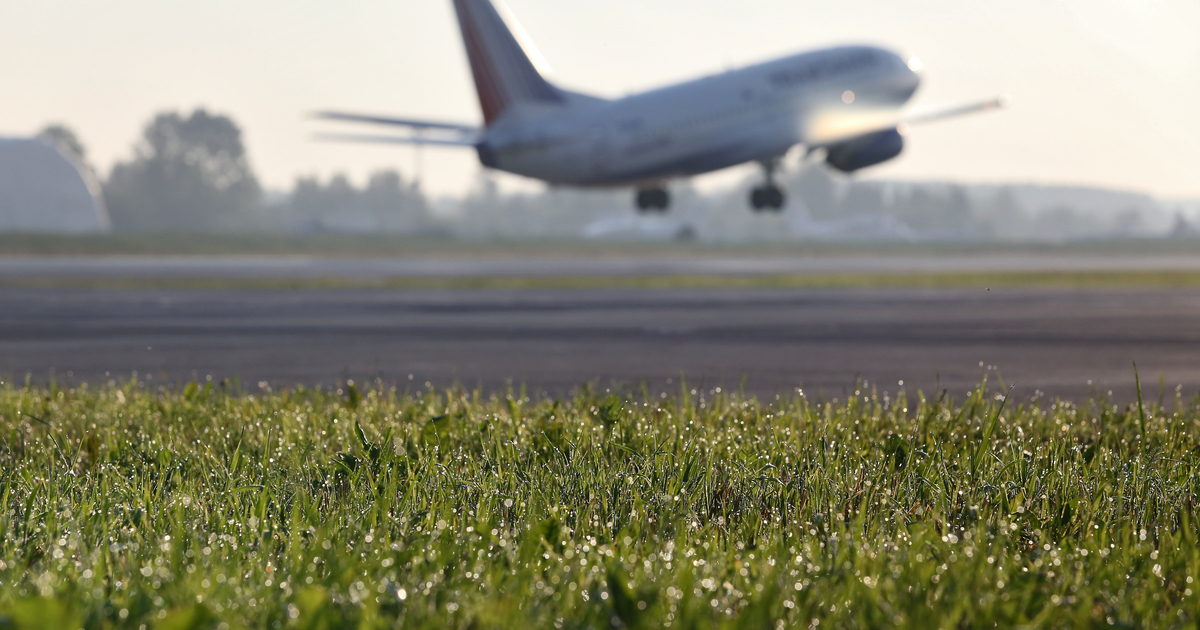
x,y
1104,92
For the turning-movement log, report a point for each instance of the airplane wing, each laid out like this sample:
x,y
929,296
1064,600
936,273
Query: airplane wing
x,y
417,140
916,118
838,125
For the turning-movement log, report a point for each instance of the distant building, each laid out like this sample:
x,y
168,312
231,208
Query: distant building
x,y
44,190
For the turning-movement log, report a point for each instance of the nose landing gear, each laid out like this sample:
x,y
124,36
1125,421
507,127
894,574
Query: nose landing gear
x,y
651,200
769,196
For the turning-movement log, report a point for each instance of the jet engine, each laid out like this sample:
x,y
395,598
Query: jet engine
x,y
866,151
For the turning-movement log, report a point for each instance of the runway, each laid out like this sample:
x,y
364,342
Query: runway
x,y
542,266
769,341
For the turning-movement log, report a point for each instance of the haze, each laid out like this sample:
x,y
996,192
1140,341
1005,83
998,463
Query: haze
x,y
1104,91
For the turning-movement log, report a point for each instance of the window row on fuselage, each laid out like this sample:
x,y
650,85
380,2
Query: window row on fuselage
x,y
824,67
690,117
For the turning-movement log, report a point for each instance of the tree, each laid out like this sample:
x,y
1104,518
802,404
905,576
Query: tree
x,y
306,203
62,137
398,207
188,174
386,204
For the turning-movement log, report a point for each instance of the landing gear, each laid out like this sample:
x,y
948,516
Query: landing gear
x,y
769,196
653,200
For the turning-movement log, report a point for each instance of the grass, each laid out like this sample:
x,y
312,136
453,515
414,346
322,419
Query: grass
x,y
124,506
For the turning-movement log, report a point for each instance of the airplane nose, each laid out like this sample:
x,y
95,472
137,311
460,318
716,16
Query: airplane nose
x,y
914,67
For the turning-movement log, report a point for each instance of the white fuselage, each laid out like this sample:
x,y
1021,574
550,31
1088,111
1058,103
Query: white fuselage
x,y
754,113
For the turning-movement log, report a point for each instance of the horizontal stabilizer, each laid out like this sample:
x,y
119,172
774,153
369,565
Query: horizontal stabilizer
x,y
417,140
398,122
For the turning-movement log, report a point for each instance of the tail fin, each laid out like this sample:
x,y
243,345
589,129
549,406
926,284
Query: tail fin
x,y
504,73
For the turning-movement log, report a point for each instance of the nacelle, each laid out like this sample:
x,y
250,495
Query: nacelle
x,y
865,151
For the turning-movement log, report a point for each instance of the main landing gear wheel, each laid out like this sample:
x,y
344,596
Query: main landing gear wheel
x,y
769,197
653,200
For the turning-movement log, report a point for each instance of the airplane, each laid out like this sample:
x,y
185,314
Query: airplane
x,y
844,102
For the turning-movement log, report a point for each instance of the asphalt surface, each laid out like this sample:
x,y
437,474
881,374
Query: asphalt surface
x,y
1061,342
307,267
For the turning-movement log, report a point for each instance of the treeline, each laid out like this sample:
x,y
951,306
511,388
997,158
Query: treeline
x,y
949,211
386,203
190,173
825,206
